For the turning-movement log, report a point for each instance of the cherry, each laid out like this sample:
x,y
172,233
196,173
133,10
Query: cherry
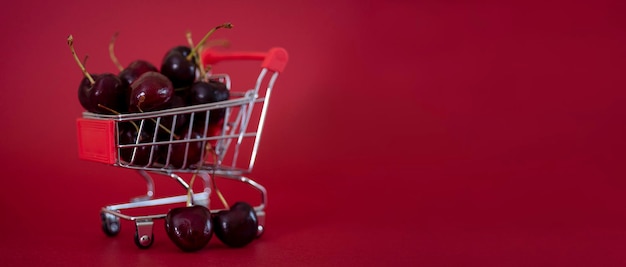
x,y
180,70
215,129
103,89
106,90
151,91
181,119
135,69
180,63
128,135
190,227
237,226
208,92
83,89
193,153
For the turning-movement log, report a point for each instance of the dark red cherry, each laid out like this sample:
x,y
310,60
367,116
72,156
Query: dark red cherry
x,y
179,63
151,91
208,92
83,88
183,156
237,226
181,119
128,135
202,92
180,70
190,228
107,90
135,69
99,93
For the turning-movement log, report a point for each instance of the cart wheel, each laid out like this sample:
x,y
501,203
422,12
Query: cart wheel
x,y
260,215
111,225
260,230
144,242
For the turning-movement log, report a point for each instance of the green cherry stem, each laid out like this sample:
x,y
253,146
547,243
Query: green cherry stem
x,y
201,43
210,151
117,113
197,59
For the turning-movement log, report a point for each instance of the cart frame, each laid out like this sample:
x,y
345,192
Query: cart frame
x,y
99,141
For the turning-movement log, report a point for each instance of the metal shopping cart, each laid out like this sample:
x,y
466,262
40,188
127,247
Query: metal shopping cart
x,y
234,141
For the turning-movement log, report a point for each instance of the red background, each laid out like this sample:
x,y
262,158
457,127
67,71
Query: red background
x,y
433,133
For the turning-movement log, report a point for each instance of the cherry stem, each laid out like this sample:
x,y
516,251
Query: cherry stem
x,y
142,98
201,43
209,44
197,56
219,193
112,53
70,42
209,151
117,113
189,40
166,130
85,60
213,43
109,109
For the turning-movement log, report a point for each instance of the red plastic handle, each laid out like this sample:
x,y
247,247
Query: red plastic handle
x,y
275,59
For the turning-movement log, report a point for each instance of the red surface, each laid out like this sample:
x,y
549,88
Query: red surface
x,y
431,133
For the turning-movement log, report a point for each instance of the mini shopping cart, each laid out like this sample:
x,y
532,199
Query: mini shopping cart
x,y
234,142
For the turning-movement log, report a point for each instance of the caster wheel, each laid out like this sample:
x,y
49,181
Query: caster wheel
x,y
143,242
260,231
111,225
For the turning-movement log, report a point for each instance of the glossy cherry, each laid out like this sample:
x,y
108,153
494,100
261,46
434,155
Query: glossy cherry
x,y
179,63
99,90
128,135
135,69
178,68
202,92
106,90
181,119
83,89
183,156
237,226
151,91
190,227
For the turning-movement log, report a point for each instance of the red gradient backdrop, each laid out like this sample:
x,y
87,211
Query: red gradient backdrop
x,y
402,133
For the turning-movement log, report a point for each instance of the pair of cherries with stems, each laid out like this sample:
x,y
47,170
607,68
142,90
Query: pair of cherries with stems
x,y
192,226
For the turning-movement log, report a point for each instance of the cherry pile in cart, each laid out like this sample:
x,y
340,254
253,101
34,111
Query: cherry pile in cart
x,y
180,118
